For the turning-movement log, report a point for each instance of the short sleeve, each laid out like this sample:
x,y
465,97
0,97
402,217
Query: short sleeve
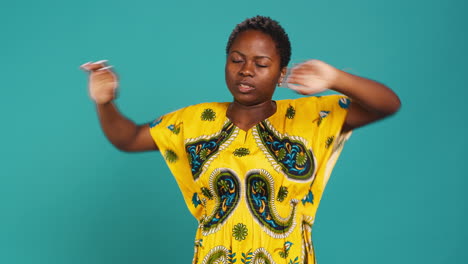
x,y
332,112
321,119
167,132
327,115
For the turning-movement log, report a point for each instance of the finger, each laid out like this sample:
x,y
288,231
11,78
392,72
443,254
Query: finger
x,y
297,66
104,73
105,68
311,61
103,76
85,64
92,66
299,79
297,88
307,75
305,69
305,63
302,71
314,62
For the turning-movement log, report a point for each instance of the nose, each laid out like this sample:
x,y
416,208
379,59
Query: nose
x,y
247,70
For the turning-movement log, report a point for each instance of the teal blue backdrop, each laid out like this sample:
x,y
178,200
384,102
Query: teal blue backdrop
x,y
397,195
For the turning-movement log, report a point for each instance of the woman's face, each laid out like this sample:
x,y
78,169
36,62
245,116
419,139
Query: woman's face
x,y
252,68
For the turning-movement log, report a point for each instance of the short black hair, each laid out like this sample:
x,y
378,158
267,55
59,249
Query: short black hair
x,y
269,27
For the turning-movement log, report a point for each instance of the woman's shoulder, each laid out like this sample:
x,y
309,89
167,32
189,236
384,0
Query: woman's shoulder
x,y
206,111
297,110
317,98
315,101
209,114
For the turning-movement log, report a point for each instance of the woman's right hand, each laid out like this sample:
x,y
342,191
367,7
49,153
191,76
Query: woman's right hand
x,y
103,81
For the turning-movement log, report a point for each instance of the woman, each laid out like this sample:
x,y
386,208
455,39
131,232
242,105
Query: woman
x,y
253,171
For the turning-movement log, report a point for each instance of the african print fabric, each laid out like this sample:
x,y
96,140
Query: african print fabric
x,y
254,193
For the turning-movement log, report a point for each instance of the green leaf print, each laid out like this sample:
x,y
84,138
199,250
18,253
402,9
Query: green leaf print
x,y
207,193
170,156
240,152
282,193
290,112
329,141
247,257
208,115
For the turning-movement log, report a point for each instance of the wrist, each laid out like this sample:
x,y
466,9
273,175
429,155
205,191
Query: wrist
x,y
339,79
104,105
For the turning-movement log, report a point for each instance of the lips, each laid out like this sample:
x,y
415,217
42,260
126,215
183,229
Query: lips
x,y
245,87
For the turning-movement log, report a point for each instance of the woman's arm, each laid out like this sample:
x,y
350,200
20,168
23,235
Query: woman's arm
x,y
371,100
121,132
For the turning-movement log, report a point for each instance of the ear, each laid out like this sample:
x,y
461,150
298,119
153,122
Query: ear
x,y
282,77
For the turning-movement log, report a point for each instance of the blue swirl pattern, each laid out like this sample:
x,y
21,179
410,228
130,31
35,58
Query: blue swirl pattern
x,y
226,189
260,199
296,161
199,152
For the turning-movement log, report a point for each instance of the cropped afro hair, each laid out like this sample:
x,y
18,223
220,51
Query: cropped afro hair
x,y
269,27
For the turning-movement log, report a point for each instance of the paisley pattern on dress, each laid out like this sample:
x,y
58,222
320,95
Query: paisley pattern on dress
x,y
246,215
261,255
307,246
260,194
225,187
219,255
202,150
288,155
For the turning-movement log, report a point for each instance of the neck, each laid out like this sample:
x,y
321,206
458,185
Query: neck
x,y
247,116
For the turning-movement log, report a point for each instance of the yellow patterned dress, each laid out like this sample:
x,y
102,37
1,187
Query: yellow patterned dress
x,y
255,193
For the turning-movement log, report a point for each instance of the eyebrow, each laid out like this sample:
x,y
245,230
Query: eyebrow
x,y
256,57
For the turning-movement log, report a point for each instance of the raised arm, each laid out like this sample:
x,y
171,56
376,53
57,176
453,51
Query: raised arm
x,y
121,132
370,100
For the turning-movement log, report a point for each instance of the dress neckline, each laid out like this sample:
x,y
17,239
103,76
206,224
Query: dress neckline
x,y
228,120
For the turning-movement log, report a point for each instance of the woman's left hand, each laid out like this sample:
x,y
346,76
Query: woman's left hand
x,y
311,77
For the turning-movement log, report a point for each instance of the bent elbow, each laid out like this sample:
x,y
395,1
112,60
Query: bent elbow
x,y
389,106
123,147
395,106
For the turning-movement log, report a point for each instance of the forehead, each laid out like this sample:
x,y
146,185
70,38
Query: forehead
x,y
255,43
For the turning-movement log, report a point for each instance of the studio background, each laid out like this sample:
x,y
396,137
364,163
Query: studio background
x,y
67,196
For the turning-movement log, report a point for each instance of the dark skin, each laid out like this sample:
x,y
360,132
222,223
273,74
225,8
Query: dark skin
x,y
253,59
252,72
